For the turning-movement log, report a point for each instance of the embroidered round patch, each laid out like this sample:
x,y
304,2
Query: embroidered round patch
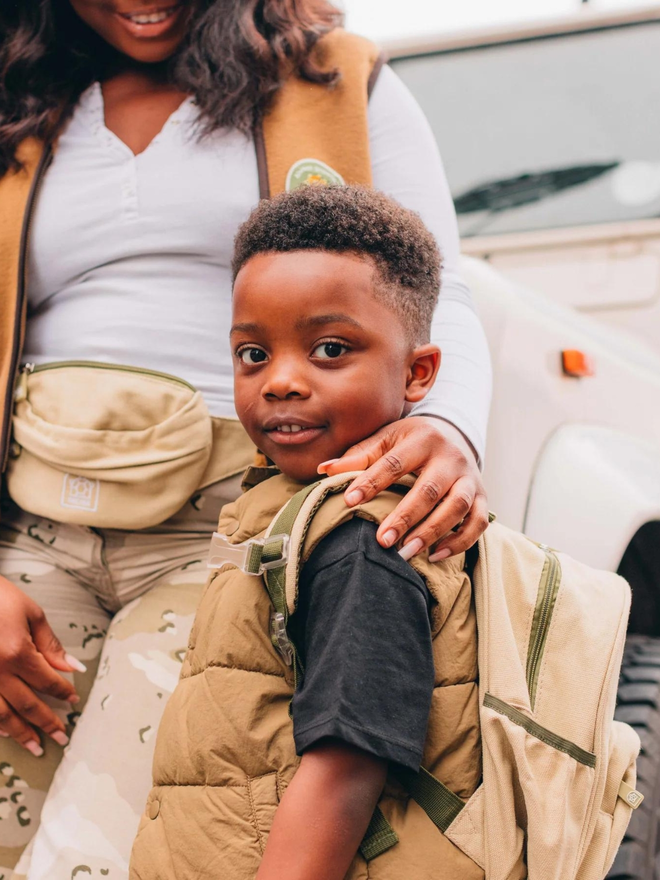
x,y
311,172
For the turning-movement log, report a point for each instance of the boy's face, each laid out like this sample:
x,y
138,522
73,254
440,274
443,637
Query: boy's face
x,y
319,362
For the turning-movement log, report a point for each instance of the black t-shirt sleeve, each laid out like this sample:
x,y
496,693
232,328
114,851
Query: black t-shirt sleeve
x,y
363,630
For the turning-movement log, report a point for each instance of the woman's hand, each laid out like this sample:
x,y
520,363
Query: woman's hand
x,y
449,491
29,650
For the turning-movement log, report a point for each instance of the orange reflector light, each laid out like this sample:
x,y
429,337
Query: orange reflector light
x,y
576,363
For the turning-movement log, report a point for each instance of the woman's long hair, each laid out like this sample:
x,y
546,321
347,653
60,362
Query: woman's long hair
x,y
234,59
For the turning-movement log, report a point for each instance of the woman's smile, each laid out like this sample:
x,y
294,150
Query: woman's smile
x,y
152,21
146,32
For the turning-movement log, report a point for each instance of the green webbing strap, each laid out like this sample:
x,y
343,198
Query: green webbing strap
x,y
378,838
440,804
276,577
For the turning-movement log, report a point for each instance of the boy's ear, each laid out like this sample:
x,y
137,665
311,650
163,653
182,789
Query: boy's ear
x,y
424,366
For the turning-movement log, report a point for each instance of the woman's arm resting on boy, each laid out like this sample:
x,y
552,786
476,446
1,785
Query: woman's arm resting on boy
x,y
402,144
324,814
448,472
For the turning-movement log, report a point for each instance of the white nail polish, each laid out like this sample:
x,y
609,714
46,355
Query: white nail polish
x,y
60,738
321,469
74,663
35,748
411,549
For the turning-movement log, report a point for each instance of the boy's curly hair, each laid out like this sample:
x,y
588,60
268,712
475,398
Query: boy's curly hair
x,y
360,221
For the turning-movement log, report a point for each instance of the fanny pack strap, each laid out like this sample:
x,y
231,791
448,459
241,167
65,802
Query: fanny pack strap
x,y
231,453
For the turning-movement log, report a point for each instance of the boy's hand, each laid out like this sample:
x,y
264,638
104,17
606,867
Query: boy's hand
x,y
449,491
324,814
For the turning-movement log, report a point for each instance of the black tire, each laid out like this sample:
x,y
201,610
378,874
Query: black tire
x,y
639,705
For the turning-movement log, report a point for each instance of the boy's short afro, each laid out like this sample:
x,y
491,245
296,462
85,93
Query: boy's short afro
x,y
357,220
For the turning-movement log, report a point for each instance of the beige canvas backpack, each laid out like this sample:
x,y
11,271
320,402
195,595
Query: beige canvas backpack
x,y
558,772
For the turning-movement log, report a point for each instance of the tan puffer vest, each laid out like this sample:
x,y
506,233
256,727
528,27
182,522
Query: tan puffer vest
x,y
225,750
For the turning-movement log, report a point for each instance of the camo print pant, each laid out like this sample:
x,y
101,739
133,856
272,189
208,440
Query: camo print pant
x,y
122,603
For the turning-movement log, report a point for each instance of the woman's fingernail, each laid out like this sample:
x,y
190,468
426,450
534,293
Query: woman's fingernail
x,y
74,663
354,496
60,738
411,549
440,555
35,748
2,733
389,538
74,699
321,469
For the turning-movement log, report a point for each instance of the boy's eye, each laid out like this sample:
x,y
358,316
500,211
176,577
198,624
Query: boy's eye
x,y
329,350
252,355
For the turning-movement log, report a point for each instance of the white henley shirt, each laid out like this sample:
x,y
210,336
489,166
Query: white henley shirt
x,y
129,258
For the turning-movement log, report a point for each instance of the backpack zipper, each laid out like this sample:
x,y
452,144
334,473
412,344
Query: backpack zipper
x,y
545,605
5,429
99,365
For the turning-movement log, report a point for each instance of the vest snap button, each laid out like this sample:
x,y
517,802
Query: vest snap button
x,y
154,809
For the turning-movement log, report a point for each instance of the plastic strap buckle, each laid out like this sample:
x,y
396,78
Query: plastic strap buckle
x,y
279,636
251,557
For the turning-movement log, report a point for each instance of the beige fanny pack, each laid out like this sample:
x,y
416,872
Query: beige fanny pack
x,y
113,446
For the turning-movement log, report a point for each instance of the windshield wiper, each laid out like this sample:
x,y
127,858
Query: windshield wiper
x,y
512,192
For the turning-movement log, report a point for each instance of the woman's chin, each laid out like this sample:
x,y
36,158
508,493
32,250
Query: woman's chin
x,y
145,52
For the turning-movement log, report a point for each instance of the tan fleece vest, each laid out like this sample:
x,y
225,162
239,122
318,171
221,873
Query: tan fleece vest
x,y
225,750
307,121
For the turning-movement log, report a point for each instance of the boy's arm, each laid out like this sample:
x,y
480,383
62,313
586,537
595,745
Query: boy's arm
x,y
363,630
324,814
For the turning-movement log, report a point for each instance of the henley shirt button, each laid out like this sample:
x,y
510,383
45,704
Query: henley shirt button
x,y
154,809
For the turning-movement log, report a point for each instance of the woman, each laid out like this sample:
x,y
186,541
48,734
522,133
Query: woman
x,y
154,111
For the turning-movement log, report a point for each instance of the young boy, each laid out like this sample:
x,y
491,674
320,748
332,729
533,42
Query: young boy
x,y
334,292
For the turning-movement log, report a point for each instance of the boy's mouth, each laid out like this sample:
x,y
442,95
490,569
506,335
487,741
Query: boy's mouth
x,y
290,432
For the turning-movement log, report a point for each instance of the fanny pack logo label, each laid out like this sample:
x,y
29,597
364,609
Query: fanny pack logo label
x,y
80,493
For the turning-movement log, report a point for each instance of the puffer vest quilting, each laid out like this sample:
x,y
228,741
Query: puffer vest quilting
x,y
225,750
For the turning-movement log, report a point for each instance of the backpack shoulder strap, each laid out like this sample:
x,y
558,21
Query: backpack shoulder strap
x,y
291,526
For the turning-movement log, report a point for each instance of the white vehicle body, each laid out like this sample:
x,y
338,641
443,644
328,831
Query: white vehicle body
x,y
559,95
574,462
571,461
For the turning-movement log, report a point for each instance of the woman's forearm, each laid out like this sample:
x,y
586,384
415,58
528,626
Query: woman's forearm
x,y
324,814
407,165
462,391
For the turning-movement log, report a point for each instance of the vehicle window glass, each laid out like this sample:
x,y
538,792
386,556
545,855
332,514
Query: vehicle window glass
x,y
559,131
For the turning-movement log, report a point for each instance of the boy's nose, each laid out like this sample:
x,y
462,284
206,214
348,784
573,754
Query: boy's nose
x,y
284,383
